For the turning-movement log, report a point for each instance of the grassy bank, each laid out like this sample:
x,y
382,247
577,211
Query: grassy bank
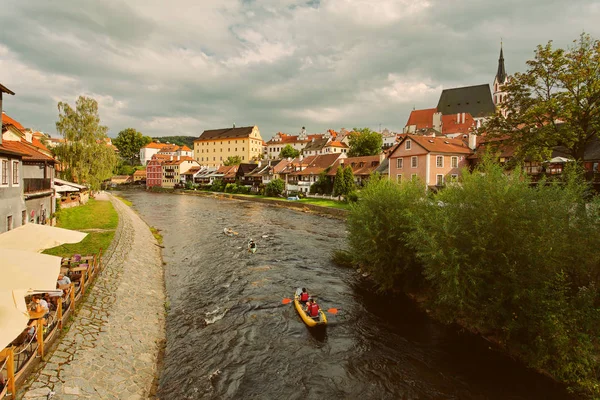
x,y
98,218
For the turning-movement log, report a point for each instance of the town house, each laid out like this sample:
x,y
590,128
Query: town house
x,y
174,168
433,160
215,146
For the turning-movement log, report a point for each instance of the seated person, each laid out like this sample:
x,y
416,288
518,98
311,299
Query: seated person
x,y
251,244
38,304
304,296
312,308
63,280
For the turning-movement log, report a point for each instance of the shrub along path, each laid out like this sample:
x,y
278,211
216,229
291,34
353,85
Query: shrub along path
x,y
112,347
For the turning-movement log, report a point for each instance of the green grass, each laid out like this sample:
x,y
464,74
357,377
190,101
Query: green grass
x,y
156,234
94,215
125,201
325,203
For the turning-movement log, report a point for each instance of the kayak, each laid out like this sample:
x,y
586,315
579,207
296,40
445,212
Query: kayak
x,y
229,231
322,320
252,249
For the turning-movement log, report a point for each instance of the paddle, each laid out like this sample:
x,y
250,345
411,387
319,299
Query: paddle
x,y
286,301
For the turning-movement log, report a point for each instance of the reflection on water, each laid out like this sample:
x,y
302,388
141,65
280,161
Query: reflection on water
x,y
229,335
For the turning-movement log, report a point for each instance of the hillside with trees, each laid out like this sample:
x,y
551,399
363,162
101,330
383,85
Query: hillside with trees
x,y
178,140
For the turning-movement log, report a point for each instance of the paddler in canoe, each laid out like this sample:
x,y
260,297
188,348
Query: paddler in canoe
x,y
252,246
229,232
312,315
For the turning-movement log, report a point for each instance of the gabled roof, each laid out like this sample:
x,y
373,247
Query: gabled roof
x,y
437,144
316,144
337,144
184,148
6,120
360,165
317,164
140,172
192,171
29,152
280,166
246,168
421,118
154,145
475,100
213,134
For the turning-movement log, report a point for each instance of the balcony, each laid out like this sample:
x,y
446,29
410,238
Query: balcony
x,y
34,185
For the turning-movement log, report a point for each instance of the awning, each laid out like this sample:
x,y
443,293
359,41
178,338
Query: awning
x,y
65,188
62,182
13,316
28,271
558,160
37,238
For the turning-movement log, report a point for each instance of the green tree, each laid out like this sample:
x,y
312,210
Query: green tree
x,y
288,152
339,184
232,160
85,156
554,103
275,187
348,180
129,142
364,142
322,185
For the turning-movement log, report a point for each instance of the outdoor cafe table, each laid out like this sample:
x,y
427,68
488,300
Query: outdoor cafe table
x,y
36,314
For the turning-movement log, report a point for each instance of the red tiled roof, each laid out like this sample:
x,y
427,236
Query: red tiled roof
x,y
451,125
140,172
421,118
316,164
184,148
360,165
38,143
29,152
336,144
440,144
6,120
154,145
177,162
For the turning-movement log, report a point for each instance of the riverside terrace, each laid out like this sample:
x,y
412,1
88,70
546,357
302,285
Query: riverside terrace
x,y
19,359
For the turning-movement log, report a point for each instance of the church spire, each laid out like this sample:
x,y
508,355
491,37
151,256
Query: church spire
x,y
501,74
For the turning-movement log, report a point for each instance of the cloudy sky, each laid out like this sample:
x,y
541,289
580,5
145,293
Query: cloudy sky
x,y
179,67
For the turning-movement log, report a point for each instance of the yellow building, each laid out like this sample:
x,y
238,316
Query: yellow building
x,y
214,146
174,168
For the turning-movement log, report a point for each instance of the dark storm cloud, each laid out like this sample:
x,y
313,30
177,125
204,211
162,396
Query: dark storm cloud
x,y
185,66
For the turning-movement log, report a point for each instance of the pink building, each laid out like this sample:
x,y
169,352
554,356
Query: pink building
x,y
154,173
434,160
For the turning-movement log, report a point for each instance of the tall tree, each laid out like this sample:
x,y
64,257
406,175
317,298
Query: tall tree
x,y
339,185
85,156
348,180
556,102
232,160
129,142
364,142
289,152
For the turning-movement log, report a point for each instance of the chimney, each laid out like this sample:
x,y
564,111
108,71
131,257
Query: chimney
x,y
472,141
437,121
28,136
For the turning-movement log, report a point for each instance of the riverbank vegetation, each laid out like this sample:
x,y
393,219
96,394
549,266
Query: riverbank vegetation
x,y
98,218
516,262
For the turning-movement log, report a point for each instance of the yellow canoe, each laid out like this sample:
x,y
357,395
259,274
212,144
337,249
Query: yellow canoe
x,y
308,320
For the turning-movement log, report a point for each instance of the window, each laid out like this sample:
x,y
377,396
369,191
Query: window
x,y
439,161
407,145
242,149
399,178
439,180
400,163
5,172
454,162
214,158
228,149
242,158
23,217
414,162
220,158
9,223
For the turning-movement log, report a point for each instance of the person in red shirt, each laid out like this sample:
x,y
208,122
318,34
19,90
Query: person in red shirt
x,y
312,309
304,296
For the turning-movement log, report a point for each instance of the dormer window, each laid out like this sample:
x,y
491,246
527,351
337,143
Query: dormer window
x,y
407,145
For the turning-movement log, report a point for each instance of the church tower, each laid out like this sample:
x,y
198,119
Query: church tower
x,y
499,81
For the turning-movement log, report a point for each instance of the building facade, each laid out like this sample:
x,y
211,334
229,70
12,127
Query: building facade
x,y
215,146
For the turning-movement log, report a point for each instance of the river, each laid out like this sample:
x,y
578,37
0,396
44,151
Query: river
x,y
230,337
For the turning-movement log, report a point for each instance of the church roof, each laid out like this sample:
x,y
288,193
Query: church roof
x,y
475,100
501,74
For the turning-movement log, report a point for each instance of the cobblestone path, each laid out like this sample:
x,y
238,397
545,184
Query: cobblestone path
x,y
112,346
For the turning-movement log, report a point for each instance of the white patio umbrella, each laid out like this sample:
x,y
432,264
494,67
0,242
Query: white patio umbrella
x,y
36,237
13,316
22,273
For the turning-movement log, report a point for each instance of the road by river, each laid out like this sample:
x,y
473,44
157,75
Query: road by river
x,y
230,337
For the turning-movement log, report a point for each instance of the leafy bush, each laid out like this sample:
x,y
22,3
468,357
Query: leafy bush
x,y
352,197
379,226
275,187
218,185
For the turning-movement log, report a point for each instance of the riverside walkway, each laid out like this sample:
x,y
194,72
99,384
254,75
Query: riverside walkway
x,y
112,347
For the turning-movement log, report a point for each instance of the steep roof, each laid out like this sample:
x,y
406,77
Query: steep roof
x,y
453,124
421,118
184,148
154,145
337,144
360,165
242,132
439,144
316,144
6,120
501,74
29,152
475,100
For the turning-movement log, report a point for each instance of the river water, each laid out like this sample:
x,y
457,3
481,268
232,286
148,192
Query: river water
x,y
230,337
